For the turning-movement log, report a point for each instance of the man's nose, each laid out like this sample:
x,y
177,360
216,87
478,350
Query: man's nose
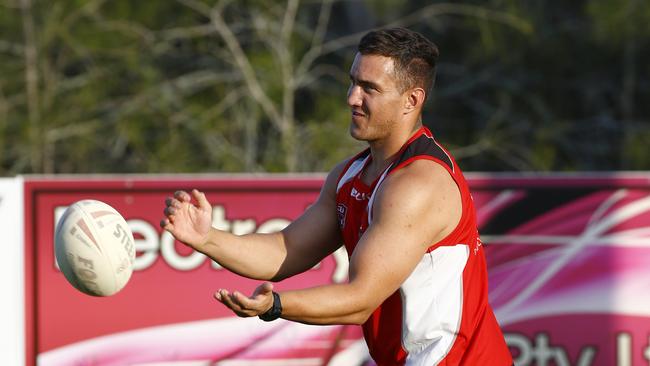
x,y
354,96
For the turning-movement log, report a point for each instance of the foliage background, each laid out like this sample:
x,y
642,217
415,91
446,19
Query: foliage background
x,y
125,86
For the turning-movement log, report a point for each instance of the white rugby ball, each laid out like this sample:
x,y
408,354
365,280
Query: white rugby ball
x,y
94,248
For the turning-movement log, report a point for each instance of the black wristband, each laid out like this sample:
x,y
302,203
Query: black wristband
x,y
275,311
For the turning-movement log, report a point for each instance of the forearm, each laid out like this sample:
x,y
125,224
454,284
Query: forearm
x,y
256,256
329,304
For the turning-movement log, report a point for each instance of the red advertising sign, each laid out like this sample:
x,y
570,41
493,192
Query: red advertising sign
x,y
568,260
170,285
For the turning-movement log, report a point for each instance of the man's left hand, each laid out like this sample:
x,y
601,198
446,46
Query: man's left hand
x,y
258,303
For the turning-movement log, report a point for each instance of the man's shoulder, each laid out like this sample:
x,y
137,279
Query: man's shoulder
x,y
421,174
339,168
345,164
426,147
334,175
422,192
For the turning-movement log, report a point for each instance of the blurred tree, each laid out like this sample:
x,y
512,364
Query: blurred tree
x,y
564,96
222,86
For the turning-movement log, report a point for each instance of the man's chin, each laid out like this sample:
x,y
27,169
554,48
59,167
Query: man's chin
x,y
356,133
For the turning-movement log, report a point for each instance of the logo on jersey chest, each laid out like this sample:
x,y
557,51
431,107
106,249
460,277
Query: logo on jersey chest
x,y
341,210
359,196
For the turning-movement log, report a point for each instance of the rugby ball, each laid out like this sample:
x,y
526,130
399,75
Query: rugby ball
x,y
94,248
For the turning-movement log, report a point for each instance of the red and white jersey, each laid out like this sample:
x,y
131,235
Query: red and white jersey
x,y
440,315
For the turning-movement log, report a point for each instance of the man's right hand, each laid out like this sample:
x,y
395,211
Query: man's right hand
x,y
187,222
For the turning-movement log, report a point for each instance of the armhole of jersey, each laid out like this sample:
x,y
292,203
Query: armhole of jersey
x,y
463,198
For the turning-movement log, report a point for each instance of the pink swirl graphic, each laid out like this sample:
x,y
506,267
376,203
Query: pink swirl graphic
x,y
226,341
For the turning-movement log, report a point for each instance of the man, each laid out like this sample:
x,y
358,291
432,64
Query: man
x,y
418,278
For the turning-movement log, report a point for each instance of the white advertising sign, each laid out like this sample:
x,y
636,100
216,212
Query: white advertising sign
x,y
12,307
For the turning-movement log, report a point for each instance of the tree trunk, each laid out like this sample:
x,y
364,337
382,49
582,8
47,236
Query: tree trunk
x,y
31,85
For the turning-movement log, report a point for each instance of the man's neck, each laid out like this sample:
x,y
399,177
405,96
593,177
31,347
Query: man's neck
x,y
384,152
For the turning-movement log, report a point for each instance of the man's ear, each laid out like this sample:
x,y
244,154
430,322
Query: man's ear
x,y
414,100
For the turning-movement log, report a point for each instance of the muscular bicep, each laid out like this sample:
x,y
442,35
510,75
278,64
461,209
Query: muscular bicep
x,y
315,234
413,209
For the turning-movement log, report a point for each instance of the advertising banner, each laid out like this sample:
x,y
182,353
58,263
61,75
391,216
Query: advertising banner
x,y
167,312
569,271
568,260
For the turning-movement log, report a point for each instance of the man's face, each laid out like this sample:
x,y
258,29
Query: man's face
x,y
374,97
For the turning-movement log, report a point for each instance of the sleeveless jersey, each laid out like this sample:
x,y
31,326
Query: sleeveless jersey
x,y
440,315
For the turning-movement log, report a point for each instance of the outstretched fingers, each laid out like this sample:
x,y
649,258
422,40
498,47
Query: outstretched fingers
x,y
182,196
230,301
171,206
166,224
201,199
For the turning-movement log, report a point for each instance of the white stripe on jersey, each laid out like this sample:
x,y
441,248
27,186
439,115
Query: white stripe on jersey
x,y
372,196
432,302
353,170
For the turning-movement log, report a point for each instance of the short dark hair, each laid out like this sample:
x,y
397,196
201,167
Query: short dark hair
x,y
414,55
